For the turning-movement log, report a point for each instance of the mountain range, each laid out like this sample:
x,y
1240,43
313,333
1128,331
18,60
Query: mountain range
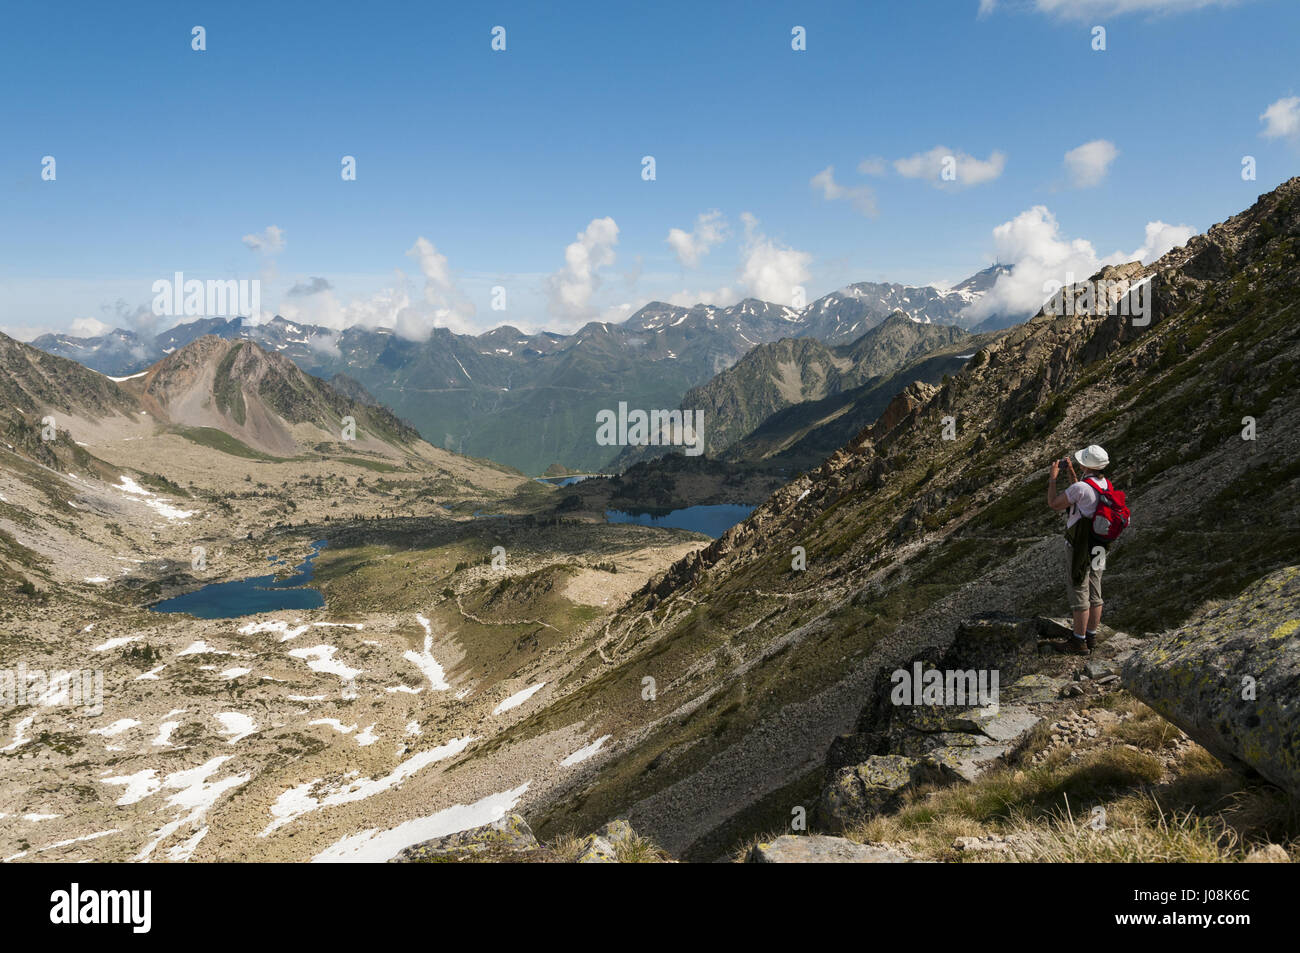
x,y
530,400
815,384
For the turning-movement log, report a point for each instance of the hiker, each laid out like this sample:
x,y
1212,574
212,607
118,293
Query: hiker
x,y
1087,491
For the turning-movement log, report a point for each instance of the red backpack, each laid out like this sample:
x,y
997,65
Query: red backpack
x,y
1112,516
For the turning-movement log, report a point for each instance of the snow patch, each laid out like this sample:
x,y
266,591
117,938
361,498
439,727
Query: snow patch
x,y
518,698
235,725
374,846
320,658
299,800
114,643
582,754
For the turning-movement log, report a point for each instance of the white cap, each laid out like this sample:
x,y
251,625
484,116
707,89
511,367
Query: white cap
x,y
1093,457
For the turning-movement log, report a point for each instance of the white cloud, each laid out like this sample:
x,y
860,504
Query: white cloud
x,y
442,303
445,306
324,309
720,297
571,288
967,169
314,286
861,197
616,313
1092,9
710,230
1088,164
24,332
873,166
1161,238
88,328
327,344
270,242
1282,119
770,271
1033,245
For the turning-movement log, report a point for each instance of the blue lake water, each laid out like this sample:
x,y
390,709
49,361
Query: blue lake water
x,y
226,600
713,520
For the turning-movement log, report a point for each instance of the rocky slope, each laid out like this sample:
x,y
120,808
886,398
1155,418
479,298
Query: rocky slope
x,y
1064,762
263,400
757,663
39,392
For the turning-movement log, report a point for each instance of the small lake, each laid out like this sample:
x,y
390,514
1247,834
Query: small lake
x,y
712,520
227,600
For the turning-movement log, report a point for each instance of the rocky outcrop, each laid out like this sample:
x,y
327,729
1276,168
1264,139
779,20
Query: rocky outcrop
x,y
899,744
876,786
903,407
1231,679
821,849
602,846
903,742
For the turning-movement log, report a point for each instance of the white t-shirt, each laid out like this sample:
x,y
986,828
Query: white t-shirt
x,y
1084,499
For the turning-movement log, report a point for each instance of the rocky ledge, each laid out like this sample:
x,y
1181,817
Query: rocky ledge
x,y
899,745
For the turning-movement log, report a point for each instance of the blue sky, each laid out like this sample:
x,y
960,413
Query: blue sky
x,y
478,169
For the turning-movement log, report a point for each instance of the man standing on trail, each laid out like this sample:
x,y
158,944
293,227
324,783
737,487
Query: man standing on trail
x,y
1082,577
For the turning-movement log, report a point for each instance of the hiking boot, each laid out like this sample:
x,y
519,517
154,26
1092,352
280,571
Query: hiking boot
x,y
1091,639
1073,646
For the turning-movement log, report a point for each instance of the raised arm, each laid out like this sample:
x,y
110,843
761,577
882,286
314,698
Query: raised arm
x,y
1057,501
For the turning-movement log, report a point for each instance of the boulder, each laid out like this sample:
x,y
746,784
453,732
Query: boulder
x,y
509,834
1098,668
1003,723
1268,854
1231,679
994,641
1034,689
597,850
852,749
821,849
877,785
602,846
968,762
1055,628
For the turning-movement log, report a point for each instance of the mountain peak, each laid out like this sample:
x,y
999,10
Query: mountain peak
x,y
262,398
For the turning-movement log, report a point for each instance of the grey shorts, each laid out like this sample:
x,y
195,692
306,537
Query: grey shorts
x,y
1088,592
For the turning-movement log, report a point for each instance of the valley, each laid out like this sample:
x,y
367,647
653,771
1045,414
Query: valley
x,y
214,730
